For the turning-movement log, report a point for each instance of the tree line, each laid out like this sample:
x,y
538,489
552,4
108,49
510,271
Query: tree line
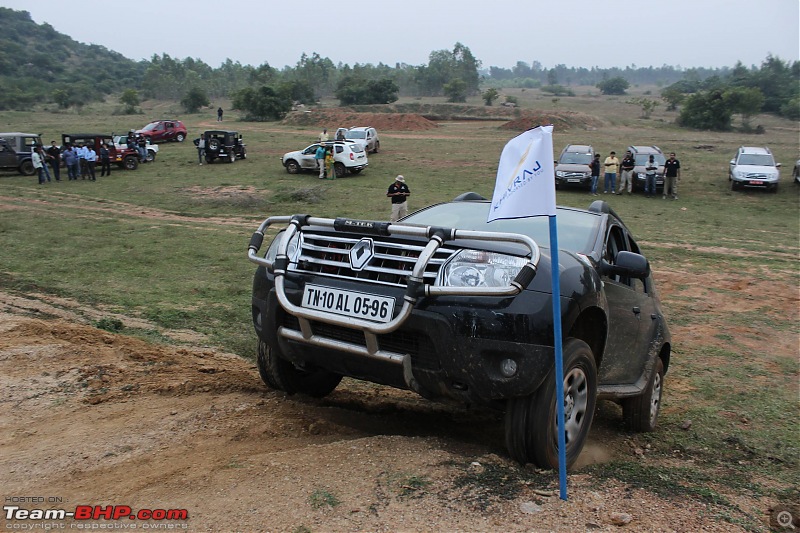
x,y
39,65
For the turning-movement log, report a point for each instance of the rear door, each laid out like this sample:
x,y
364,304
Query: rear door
x,y
8,157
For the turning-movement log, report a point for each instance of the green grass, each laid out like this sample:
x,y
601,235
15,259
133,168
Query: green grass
x,y
167,243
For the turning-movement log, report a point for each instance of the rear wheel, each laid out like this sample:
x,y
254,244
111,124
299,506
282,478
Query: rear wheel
x,y
26,168
231,156
377,147
532,424
180,137
280,374
292,167
339,169
641,412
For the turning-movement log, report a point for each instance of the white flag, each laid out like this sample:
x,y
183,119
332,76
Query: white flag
x,y
526,183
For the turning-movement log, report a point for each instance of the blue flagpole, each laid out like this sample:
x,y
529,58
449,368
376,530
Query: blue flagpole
x,y
556,287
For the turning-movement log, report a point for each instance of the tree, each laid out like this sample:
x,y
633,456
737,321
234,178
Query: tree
x,y
706,110
490,96
353,90
456,90
746,101
616,85
130,99
194,99
646,104
262,104
61,97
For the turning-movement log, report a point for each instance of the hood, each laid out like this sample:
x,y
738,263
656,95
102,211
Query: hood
x,y
571,167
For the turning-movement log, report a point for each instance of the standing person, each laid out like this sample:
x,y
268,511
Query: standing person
x,y
595,166
54,155
105,160
82,159
672,175
91,162
329,167
324,135
319,157
71,161
38,163
626,177
219,114
650,171
399,193
611,165
141,142
201,149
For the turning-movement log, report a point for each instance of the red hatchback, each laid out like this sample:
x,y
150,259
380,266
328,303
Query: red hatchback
x,y
164,130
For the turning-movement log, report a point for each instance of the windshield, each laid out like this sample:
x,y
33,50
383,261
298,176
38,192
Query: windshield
x,y
642,159
761,160
356,134
572,158
150,127
576,229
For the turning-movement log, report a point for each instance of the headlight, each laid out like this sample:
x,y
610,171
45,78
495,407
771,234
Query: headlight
x,y
473,268
292,250
560,173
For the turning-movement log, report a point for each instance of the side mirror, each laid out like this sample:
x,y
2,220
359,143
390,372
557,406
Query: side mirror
x,y
778,165
733,161
627,264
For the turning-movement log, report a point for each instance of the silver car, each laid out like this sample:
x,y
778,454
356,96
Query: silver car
x,y
754,167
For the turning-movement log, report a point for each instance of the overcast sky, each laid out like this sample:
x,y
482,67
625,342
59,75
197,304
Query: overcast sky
x,y
576,33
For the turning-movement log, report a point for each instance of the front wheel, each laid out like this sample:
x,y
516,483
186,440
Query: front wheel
x,y
531,422
151,156
180,137
641,412
292,167
278,373
130,162
339,169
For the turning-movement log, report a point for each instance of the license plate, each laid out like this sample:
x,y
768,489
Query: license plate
x,y
756,182
348,303
573,180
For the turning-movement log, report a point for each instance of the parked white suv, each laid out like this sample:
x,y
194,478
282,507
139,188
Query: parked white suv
x,y
348,156
754,167
368,137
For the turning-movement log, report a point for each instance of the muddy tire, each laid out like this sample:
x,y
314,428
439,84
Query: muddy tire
x,y
130,162
531,421
279,374
292,167
641,412
340,170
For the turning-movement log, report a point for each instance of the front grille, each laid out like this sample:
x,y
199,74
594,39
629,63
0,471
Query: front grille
x,y
391,264
417,344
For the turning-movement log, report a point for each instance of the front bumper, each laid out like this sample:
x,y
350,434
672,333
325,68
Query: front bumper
x,y
755,182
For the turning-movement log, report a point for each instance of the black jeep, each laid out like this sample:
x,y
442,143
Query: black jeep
x,y
16,149
223,144
466,314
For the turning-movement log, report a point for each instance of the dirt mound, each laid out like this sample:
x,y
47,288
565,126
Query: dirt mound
x,y
335,118
562,120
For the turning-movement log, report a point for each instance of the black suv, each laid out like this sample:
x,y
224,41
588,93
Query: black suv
x,y
223,144
16,149
466,314
573,166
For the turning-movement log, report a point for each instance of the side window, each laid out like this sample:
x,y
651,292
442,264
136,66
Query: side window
x,y
616,242
339,149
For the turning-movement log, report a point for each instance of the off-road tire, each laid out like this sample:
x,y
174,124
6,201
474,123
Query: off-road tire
x,y
26,168
292,167
279,374
531,421
339,170
131,162
640,413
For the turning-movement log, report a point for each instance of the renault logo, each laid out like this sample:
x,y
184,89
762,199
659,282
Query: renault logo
x,y
361,253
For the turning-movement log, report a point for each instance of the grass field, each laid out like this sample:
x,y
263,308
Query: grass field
x,y
166,244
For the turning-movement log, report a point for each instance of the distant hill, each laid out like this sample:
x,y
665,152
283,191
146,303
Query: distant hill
x,y
36,61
